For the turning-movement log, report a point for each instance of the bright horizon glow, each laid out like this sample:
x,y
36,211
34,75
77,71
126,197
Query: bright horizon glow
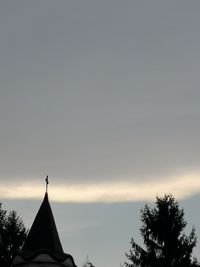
x,y
106,192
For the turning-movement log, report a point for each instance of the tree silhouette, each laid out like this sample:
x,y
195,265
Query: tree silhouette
x,y
165,243
12,236
87,263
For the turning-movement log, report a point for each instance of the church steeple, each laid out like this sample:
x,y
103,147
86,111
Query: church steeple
x,y
43,235
43,242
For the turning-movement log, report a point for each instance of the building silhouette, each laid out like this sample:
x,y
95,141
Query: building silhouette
x,y
42,247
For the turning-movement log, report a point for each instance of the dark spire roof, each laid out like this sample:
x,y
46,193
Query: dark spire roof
x,y
43,235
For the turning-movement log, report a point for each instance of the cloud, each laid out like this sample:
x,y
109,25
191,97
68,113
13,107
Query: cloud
x,y
107,192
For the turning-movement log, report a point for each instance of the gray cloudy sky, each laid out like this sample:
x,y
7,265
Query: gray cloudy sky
x,y
104,97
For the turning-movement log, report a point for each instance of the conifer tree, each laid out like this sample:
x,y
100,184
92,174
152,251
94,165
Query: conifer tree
x,y
166,245
12,236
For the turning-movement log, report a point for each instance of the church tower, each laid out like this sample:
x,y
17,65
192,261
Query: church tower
x,y
42,247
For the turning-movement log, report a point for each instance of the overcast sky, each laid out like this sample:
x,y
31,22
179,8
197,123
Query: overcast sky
x,y
104,97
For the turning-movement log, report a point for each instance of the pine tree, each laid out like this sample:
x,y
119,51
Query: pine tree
x,y
12,236
166,245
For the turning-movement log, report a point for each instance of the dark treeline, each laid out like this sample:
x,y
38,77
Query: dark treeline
x,y
162,231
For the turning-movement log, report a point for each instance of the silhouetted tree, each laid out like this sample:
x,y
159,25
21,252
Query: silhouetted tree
x,y
87,263
165,243
12,236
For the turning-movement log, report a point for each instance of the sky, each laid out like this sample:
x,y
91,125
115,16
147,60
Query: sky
x,y
103,96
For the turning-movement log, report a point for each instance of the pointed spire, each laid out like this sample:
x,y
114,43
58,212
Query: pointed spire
x,y
43,235
43,241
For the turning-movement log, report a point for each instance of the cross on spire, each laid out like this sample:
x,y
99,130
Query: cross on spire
x,y
47,182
